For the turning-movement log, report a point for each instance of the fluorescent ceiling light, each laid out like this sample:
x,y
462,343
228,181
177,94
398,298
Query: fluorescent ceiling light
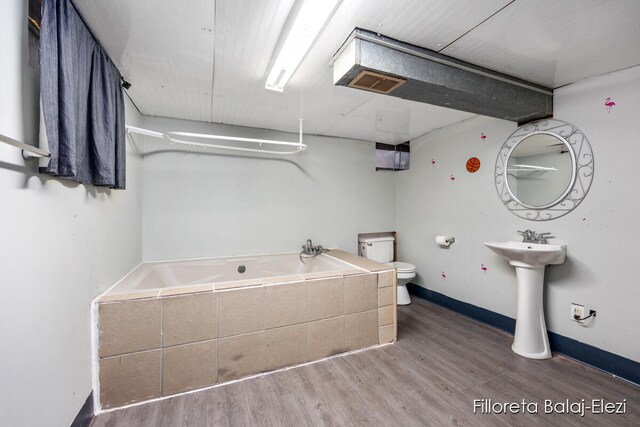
x,y
310,18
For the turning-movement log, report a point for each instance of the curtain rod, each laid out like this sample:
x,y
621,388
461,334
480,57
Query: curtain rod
x,y
171,137
31,152
28,151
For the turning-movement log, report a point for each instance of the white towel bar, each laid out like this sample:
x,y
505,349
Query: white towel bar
x,y
28,151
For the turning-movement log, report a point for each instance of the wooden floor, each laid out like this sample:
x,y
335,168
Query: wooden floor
x,y
431,376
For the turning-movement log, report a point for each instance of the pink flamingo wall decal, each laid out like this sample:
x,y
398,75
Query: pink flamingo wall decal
x,y
608,104
483,268
483,136
444,276
452,178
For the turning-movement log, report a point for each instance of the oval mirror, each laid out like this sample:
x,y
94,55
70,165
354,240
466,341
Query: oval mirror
x,y
544,170
540,170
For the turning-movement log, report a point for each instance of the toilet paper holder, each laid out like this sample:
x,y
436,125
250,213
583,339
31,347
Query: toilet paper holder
x,y
445,240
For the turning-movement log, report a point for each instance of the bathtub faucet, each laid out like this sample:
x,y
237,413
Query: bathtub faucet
x,y
309,249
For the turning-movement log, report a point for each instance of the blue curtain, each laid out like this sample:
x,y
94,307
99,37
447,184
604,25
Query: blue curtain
x,y
82,101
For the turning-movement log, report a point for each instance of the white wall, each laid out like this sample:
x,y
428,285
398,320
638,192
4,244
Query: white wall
x,y
601,234
60,245
205,205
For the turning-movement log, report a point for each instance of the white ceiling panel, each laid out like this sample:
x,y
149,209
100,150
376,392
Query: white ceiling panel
x,y
393,120
163,48
553,42
183,66
247,32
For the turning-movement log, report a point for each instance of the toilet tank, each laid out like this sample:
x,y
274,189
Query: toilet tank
x,y
376,248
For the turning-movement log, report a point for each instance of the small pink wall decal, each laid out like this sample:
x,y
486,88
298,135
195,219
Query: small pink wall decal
x,y
483,136
433,162
483,268
452,178
608,104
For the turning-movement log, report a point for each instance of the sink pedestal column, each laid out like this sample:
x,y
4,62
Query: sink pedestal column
x,y
530,339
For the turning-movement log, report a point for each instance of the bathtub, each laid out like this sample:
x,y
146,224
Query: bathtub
x,y
227,272
172,327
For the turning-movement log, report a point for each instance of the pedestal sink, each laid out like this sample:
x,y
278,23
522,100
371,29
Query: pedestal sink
x,y
529,259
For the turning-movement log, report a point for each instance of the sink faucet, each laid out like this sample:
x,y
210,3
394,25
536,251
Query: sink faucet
x,y
530,236
526,235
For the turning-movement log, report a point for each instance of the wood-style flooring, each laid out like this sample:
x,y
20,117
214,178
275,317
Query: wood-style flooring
x,y
430,377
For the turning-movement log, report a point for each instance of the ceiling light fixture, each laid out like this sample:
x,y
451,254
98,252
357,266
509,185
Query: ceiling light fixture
x,y
305,22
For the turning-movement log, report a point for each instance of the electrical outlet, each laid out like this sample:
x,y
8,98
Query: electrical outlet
x,y
577,312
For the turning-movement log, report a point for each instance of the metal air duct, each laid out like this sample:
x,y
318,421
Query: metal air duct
x,y
380,64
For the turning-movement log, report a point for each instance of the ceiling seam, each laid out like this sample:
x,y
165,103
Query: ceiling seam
x,y
342,116
480,23
446,126
594,76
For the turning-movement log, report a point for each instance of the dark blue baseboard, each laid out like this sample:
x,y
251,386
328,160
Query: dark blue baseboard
x,y
598,358
84,417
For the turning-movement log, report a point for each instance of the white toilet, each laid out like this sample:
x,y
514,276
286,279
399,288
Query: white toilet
x,y
381,249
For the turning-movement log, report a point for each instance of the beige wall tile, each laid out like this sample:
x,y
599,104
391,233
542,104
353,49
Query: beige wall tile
x,y
360,293
129,378
386,334
371,265
189,367
386,278
353,272
321,275
127,327
358,261
361,330
340,254
286,346
325,337
188,318
286,304
385,315
186,290
241,356
128,296
395,307
233,284
385,296
325,298
282,279
241,311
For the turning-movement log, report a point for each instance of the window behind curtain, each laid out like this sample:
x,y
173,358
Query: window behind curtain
x,y
34,19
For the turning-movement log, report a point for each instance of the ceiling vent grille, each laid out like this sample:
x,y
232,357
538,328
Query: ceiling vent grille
x,y
376,82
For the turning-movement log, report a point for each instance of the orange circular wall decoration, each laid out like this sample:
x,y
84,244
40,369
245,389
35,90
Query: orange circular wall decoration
x,y
473,164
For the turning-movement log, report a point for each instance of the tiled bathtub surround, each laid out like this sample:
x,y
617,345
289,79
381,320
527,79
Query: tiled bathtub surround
x,y
166,344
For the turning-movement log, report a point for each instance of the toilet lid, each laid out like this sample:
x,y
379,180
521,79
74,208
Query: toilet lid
x,y
403,267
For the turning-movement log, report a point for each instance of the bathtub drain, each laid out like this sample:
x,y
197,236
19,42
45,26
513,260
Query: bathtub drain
x,y
242,269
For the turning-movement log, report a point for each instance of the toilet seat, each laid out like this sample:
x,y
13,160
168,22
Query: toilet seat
x,y
402,267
